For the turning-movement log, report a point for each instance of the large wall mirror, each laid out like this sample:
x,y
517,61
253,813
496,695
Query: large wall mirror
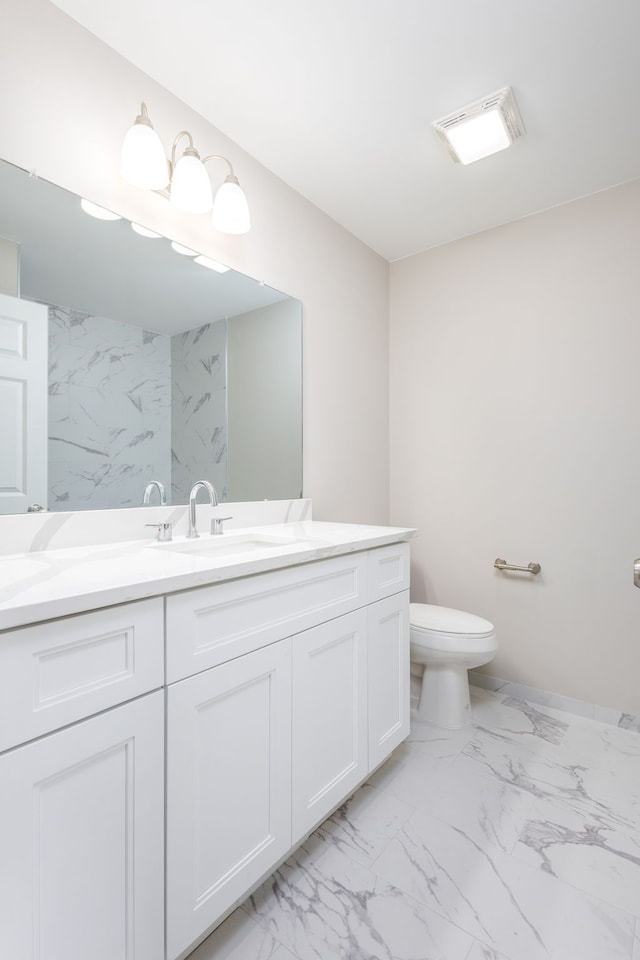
x,y
124,360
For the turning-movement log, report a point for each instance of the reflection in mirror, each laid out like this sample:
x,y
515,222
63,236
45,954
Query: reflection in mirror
x,y
159,367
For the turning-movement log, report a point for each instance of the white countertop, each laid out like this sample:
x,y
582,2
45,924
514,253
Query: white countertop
x,y
56,583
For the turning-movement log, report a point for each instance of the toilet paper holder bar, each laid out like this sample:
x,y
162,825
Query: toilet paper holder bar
x,y
532,567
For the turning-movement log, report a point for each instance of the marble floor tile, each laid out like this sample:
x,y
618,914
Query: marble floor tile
x,y
515,839
491,812
409,773
596,743
595,853
483,700
518,911
364,825
630,721
458,792
436,741
241,938
546,699
333,907
611,790
479,951
518,720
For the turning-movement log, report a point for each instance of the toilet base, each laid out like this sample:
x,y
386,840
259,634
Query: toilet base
x,y
444,696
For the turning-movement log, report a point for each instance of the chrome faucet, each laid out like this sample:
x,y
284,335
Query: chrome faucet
x,y
148,490
213,500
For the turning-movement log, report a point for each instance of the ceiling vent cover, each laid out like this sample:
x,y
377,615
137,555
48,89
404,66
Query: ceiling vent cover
x,y
481,128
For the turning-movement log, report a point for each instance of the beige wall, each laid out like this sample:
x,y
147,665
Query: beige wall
x,y
515,362
67,102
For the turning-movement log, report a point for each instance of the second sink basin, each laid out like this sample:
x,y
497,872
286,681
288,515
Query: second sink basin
x,y
228,544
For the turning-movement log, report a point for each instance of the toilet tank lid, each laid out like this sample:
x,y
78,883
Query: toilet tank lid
x,y
426,616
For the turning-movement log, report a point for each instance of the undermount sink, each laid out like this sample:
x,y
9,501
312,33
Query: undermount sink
x,y
230,545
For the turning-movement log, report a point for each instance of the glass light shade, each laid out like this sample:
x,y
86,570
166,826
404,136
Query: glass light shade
x,y
182,250
479,137
145,232
230,208
190,185
142,161
100,213
211,264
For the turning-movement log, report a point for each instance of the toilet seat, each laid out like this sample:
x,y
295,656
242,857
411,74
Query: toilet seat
x,y
424,617
449,631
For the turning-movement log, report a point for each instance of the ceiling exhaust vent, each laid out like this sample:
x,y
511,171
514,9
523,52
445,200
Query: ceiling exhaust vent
x,y
481,128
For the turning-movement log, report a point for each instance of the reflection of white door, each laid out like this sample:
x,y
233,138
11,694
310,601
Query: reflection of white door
x,y
23,404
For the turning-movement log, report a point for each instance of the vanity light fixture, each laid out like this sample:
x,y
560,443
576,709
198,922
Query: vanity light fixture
x,y
145,232
100,213
481,128
142,160
211,264
183,178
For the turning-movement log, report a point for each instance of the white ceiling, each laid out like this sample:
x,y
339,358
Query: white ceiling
x,y
336,97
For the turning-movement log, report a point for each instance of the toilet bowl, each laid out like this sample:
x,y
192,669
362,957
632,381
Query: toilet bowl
x,y
448,643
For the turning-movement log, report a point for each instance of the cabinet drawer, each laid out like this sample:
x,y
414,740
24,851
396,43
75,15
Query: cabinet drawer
x,y
58,672
388,571
211,625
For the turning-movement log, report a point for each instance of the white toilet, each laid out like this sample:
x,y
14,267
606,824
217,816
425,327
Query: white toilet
x,y
448,642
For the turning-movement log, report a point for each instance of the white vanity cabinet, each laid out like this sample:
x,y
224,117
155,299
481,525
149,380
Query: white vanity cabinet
x,y
274,694
81,808
228,786
285,690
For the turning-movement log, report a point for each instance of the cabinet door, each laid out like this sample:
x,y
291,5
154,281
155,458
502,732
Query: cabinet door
x,y
329,752
388,669
228,787
81,840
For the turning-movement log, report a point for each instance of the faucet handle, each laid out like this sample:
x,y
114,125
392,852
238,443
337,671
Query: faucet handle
x,y
165,531
216,525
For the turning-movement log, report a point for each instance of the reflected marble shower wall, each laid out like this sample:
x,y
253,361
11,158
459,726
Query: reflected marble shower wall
x,y
109,411
199,409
